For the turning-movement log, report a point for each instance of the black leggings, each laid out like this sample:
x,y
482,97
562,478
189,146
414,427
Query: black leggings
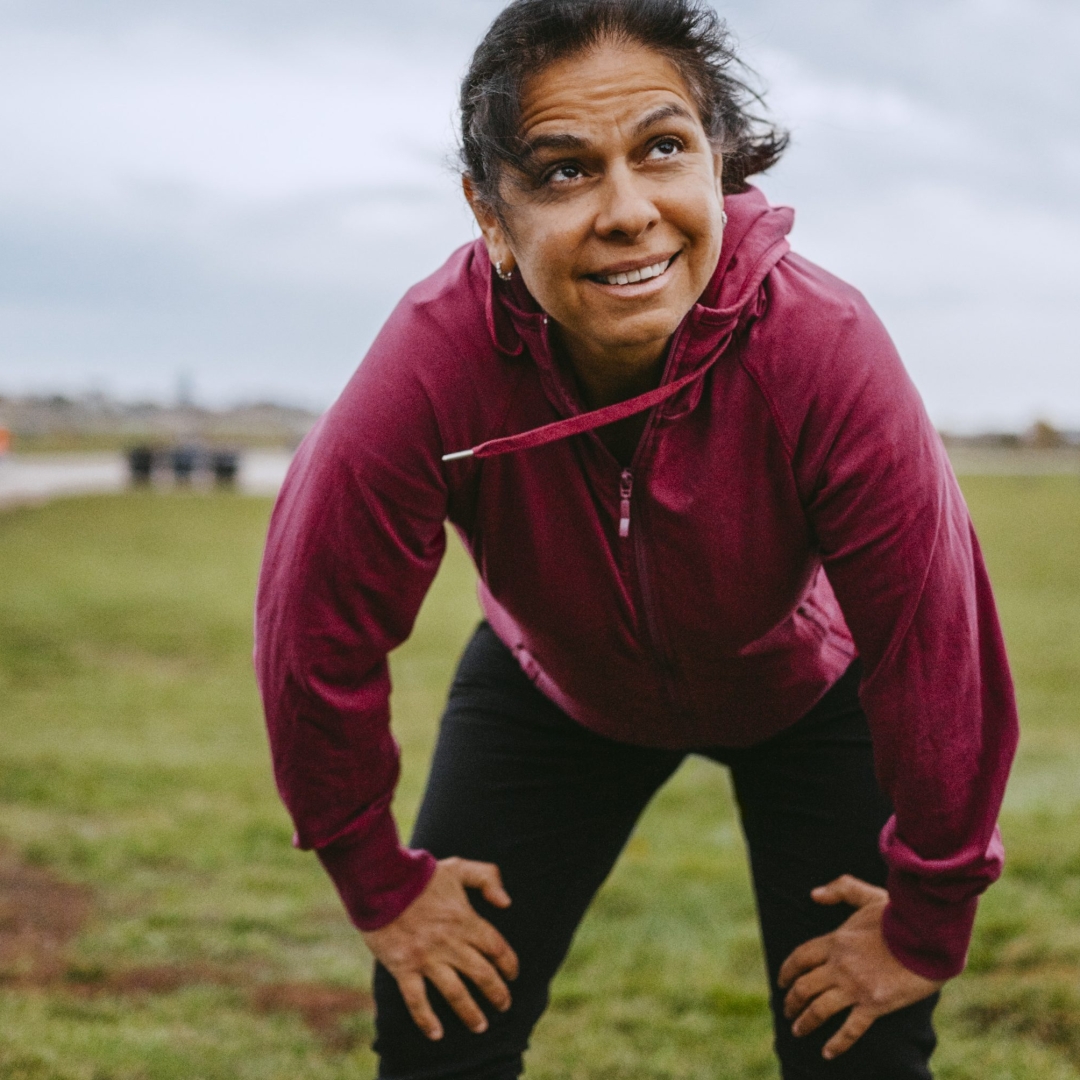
x,y
516,782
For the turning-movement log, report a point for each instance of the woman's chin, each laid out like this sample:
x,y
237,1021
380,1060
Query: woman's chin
x,y
629,316
627,329
616,338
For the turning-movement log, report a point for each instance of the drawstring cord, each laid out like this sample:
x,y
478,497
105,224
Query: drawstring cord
x,y
576,425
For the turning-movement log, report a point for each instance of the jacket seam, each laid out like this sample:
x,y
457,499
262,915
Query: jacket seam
x,y
789,451
774,413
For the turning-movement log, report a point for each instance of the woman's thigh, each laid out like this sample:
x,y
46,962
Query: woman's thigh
x,y
812,810
515,782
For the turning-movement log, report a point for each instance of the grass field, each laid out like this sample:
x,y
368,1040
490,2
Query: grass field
x,y
156,924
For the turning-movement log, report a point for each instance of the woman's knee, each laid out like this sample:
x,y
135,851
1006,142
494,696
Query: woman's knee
x,y
404,1052
897,1047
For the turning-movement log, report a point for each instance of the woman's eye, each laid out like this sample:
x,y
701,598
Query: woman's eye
x,y
563,174
665,148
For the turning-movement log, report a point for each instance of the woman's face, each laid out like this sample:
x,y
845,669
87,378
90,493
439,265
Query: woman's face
x,y
615,224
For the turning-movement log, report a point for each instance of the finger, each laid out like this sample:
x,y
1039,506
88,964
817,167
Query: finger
x,y
486,878
486,978
415,996
849,890
853,1029
449,984
819,1010
806,988
810,954
493,945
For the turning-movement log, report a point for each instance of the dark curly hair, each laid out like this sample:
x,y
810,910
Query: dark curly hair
x,y
531,34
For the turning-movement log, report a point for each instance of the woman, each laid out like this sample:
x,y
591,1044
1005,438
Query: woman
x,y
709,515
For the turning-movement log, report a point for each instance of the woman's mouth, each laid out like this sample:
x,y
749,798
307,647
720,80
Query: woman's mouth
x,y
633,277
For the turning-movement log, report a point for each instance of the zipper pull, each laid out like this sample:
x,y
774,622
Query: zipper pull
x,y
626,488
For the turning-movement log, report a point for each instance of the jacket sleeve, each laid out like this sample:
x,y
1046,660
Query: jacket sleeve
x,y
900,552
355,539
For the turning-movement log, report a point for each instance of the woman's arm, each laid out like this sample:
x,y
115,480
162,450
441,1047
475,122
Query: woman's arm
x,y
899,550
354,543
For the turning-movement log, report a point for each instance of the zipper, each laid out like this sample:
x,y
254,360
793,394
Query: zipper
x,y
626,490
656,642
648,612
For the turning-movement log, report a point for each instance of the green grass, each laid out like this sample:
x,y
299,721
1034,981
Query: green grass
x,y
133,766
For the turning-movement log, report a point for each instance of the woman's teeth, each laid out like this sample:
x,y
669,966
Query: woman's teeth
x,y
632,277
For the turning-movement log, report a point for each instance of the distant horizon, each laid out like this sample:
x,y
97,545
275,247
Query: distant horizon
x,y
91,398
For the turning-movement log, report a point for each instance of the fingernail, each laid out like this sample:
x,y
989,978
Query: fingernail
x,y
828,1054
435,1034
480,1028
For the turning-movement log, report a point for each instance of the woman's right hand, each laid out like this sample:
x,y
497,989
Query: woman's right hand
x,y
439,935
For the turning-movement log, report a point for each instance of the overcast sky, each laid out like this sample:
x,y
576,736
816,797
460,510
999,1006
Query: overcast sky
x,y
237,193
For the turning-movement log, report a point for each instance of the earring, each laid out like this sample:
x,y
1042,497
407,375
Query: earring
x,y
723,218
507,276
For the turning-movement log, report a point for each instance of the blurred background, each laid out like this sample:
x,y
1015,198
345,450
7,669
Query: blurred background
x,y
206,212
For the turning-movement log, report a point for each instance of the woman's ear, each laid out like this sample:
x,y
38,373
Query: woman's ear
x,y
491,227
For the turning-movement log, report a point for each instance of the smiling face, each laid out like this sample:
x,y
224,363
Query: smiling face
x,y
616,222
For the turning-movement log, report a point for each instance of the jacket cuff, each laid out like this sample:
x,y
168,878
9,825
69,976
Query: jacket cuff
x,y
928,935
376,878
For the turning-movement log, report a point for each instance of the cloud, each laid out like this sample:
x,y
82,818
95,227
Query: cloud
x,y
279,298
410,21
1000,75
92,116
244,190
184,201
935,162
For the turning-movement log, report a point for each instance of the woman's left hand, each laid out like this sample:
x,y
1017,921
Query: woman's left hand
x,y
851,967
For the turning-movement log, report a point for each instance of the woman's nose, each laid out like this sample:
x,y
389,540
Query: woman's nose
x,y
626,209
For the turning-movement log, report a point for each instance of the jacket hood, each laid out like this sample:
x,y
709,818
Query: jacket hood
x,y
755,240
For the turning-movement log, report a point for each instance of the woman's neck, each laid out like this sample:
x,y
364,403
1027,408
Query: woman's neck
x,y
608,377
611,376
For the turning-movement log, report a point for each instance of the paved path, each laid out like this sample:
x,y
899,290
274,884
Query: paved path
x,y
38,477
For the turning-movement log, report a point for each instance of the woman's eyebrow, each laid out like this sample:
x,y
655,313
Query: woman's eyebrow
x,y
664,112
552,142
566,141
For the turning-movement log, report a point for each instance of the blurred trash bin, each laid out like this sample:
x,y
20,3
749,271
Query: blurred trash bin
x,y
184,460
225,464
140,464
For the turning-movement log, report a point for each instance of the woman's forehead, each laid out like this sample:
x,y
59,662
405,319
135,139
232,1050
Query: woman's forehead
x,y
612,83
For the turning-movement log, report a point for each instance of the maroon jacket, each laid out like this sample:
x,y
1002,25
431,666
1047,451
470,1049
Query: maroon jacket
x,y
789,503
